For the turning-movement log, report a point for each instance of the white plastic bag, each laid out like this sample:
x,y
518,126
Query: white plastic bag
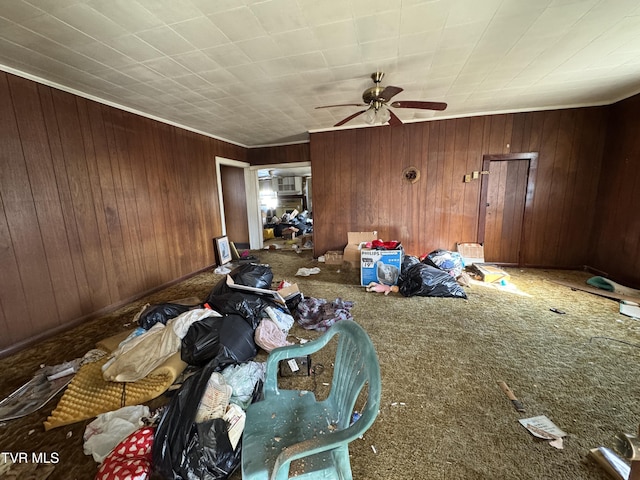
x,y
283,320
156,346
108,429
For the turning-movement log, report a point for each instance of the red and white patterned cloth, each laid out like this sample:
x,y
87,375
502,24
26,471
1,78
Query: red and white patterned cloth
x,y
130,459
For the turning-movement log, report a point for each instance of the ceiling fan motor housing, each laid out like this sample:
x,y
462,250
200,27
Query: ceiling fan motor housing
x,y
373,95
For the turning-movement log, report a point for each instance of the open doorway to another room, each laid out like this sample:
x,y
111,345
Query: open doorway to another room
x,y
286,206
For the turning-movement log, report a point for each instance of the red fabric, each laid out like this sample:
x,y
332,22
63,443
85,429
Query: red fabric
x,y
379,244
130,459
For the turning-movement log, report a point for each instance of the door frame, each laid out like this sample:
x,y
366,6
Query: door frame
x,y
252,189
253,199
248,189
484,190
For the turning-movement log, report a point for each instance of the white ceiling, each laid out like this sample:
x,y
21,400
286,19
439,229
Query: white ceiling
x,y
284,172
252,71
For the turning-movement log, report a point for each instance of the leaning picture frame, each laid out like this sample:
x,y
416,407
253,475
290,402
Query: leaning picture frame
x,y
222,249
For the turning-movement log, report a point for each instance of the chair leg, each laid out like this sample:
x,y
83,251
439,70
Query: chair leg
x,y
343,465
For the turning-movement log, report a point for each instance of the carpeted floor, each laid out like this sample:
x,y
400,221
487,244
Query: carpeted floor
x,y
442,414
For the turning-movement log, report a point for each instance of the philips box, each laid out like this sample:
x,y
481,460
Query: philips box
x,y
380,266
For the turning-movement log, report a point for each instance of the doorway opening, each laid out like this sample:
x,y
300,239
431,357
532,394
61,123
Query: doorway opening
x,y
235,195
286,202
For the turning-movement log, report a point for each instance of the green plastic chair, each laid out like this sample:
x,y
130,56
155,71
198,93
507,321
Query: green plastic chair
x,y
290,425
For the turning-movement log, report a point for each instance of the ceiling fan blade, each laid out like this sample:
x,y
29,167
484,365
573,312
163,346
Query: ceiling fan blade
x,y
350,117
418,104
390,92
394,121
345,105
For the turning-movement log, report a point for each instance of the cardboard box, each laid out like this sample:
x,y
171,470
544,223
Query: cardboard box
x,y
380,266
490,273
471,253
351,252
290,233
333,257
292,296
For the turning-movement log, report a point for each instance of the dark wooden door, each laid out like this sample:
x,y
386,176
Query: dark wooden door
x,y
503,201
234,198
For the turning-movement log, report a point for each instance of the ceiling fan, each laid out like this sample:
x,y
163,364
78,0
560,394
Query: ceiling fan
x,y
376,99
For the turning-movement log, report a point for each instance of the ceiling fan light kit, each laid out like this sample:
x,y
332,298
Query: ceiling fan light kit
x,y
380,115
376,98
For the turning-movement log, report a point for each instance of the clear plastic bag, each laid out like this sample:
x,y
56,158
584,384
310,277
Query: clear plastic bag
x,y
243,380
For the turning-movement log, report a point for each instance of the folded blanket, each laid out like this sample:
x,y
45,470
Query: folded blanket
x,y
89,394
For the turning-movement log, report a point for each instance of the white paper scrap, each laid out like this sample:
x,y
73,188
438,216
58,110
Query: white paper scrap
x,y
630,309
235,418
305,272
542,427
293,365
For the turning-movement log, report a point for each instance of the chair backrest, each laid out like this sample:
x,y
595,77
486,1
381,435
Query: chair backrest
x,y
356,364
355,367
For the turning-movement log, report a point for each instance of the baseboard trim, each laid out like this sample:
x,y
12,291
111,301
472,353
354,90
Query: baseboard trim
x,y
595,271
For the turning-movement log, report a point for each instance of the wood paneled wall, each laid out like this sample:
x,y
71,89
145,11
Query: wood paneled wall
x,y
358,182
298,152
616,241
97,206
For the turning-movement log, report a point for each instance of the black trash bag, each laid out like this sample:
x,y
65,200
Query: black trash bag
x,y
408,261
426,281
183,449
248,305
248,274
253,275
161,313
209,454
224,340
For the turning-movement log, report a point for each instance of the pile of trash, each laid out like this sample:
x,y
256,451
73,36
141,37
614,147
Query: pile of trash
x,y
210,348
438,274
301,221
201,354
